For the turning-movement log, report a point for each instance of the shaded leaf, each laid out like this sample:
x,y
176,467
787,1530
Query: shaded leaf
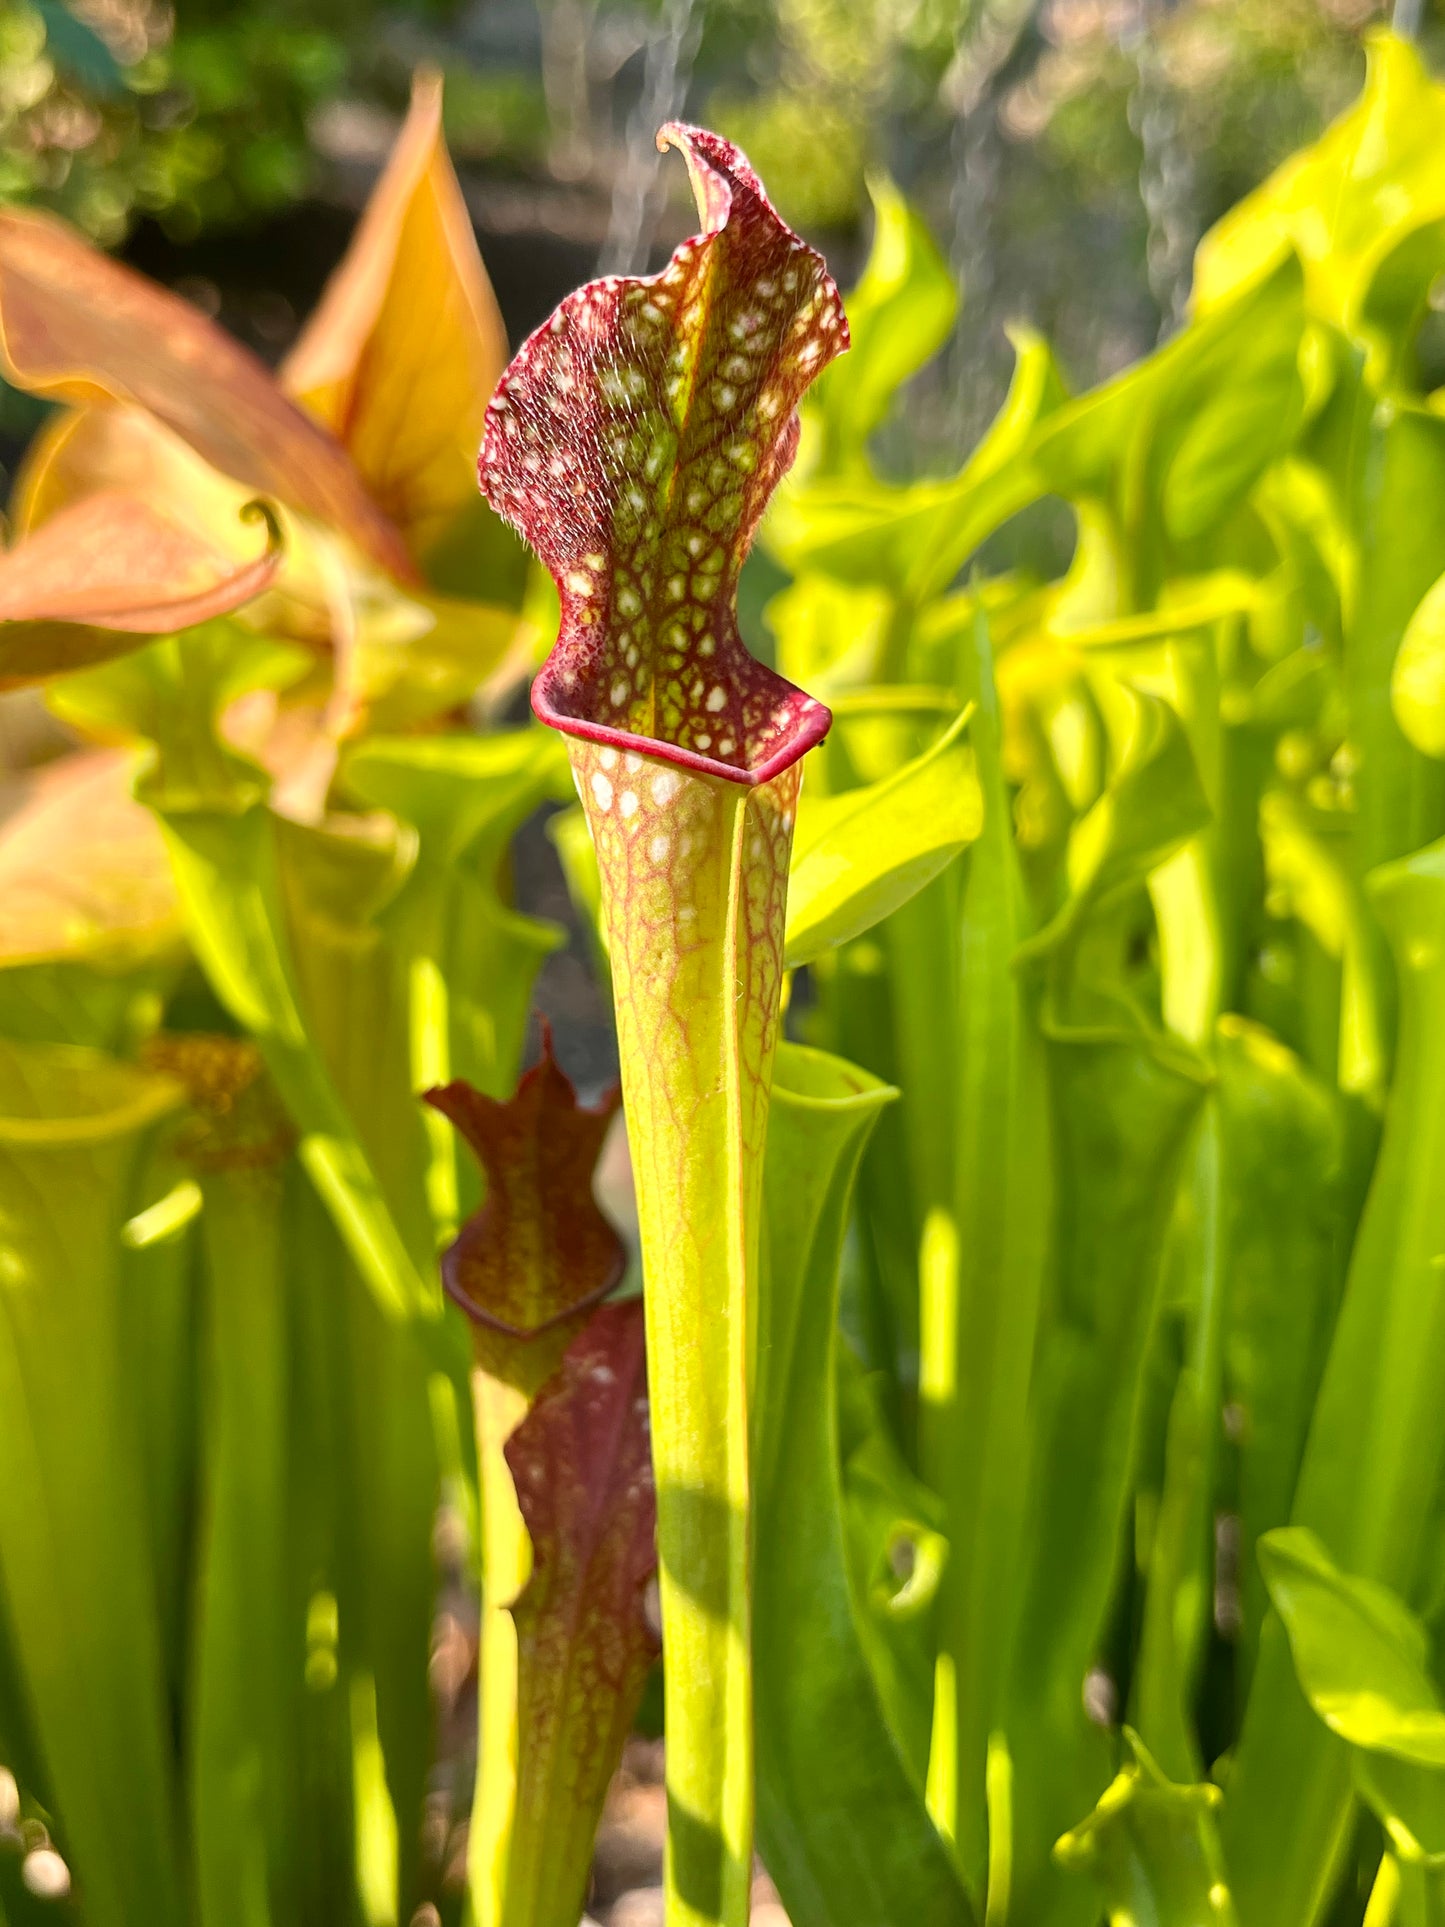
x,y
244,1648
841,1811
897,1555
1122,1114
857,856
1376,1444
983,1149
1124,1098
74,1532
527,1268
1152,1847
1282,1145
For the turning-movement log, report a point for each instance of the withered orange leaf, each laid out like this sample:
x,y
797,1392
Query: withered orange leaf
x,y
403,352
112,566
85,451
581,1464
82,328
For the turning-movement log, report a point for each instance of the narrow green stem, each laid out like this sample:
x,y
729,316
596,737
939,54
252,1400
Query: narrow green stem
x,y
500,1403
242,1679
506,1558
981,1270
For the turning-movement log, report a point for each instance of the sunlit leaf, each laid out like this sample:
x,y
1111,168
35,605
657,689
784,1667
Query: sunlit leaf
x,y
1347,203
1202,418
472,956
1417,686
858,855
412,658
398,656
1152,807
1361,1655
404,350
1307,867
1362,1658
634,442
914,540
830,635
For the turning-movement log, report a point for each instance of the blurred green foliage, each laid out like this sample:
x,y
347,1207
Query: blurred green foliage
x,y
108,113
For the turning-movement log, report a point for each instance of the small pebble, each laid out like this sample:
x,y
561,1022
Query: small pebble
x,y
643,1761
629,1847
45,1874
643,1907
